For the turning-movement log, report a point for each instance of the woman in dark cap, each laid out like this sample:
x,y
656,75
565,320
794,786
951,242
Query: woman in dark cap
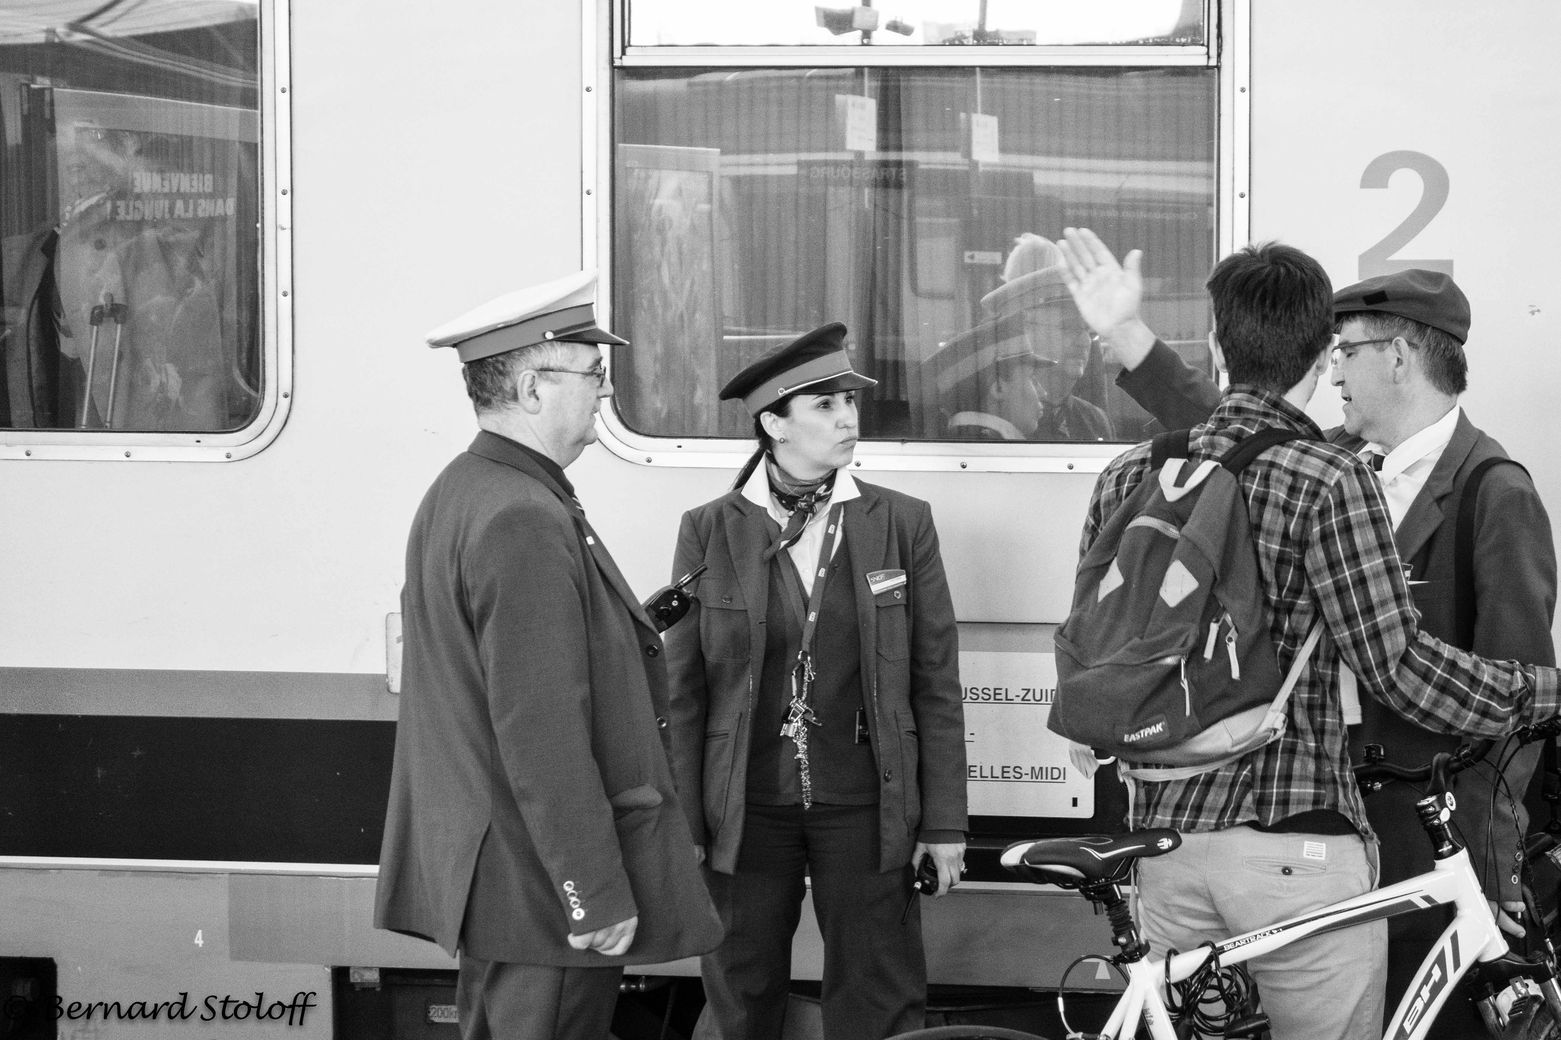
x,y
816,710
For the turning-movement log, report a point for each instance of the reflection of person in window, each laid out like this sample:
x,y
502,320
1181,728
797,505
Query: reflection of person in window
x,y
165,364
987,378
1034,287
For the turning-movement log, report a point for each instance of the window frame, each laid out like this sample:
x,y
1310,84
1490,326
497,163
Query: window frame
x,y
1227,51
276,302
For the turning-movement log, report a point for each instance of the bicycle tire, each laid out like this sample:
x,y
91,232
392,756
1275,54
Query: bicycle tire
x,y
969,1031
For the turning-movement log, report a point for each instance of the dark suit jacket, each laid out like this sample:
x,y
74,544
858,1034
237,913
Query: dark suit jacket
x,y
909,663
1514,594
531,795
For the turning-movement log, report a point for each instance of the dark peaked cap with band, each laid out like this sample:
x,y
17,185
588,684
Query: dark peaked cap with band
x,y
813,363
563,310
1429,297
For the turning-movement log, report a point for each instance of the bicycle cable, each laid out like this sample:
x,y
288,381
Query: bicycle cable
x,y
1212,998
1062,990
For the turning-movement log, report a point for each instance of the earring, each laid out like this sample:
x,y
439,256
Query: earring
x,y
780,440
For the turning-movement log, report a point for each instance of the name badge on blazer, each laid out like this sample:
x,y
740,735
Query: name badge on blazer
x,y
882,582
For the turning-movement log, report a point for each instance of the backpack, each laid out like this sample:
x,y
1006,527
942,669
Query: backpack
x,y
1166,658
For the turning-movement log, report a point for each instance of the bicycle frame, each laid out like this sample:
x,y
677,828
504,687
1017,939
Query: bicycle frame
x,y
1471,937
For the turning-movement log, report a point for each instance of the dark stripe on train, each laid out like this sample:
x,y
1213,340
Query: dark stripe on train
x,y
158,787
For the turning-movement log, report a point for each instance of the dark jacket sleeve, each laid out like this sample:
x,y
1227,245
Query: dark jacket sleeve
x,y
935,692
1168,388
689,695
530,616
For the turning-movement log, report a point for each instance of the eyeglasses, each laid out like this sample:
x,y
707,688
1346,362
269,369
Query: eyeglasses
x,y
599,372
1351,345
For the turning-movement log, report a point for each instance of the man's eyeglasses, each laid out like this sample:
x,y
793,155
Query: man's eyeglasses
x,y
1351,345
599,373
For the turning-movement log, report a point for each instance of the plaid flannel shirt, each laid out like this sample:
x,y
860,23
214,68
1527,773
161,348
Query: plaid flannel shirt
x,y
1325,547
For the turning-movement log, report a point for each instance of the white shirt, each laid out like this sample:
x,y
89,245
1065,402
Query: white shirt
x,y
804,551
1407,467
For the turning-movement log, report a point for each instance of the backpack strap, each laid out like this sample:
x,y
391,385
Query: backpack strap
x,y
1250,447
1463,551
1173,444
1177,444
1464,614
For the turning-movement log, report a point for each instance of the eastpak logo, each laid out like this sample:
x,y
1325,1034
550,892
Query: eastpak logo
x,y
1153,730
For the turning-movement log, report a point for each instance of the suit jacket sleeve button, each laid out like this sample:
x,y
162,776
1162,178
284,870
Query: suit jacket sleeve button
x,y
653,650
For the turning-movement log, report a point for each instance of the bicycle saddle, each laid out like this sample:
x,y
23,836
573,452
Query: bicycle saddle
x,y
1078,861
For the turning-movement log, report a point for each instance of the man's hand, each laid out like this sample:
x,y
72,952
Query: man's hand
x,y
1108,295
1509,916
1083,759
612,941
948,858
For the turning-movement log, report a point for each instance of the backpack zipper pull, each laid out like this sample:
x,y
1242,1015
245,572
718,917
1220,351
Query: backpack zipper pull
x,y
1230,647
1186,690
1214,632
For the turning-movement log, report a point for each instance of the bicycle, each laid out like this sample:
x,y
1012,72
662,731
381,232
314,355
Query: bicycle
x,y
1518,998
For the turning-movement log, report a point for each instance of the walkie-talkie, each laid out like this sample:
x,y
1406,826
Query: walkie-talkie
x,y
667,607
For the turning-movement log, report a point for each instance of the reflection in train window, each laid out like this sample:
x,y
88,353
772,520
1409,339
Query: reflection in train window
x,y
917,206
129,217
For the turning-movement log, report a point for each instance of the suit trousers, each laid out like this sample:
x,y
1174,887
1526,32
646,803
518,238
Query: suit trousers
x,y
875,973
1224,883
497,1000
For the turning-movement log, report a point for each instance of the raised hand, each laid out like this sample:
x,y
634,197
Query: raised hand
x,y
1108,294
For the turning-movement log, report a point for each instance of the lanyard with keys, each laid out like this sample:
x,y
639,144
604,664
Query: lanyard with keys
x,y
800,714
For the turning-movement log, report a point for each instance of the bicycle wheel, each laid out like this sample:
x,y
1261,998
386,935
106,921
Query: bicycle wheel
x,y
966,1032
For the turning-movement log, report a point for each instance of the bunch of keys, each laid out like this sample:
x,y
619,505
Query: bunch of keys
x,y
802,676
798,714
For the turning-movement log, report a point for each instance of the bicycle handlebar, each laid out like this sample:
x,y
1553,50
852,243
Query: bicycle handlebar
x,y
1376,770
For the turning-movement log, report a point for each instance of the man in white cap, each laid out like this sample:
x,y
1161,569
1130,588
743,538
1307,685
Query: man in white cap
x,y
532,824
1035,290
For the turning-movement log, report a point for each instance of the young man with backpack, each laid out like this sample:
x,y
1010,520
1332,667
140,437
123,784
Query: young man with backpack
x,y
1468,522
1282,829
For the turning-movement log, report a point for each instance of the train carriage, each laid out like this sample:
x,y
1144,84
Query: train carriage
x,y
227,223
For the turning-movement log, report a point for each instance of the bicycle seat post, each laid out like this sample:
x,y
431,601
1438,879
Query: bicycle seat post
x,y
1124,930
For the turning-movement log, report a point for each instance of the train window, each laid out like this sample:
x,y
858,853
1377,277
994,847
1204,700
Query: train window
x,y
746,213
914,200
130,219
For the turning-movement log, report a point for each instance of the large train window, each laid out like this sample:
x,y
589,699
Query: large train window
x,y
131,222
767,179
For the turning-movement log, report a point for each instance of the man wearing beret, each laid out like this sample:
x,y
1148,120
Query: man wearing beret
x,y
532,825
1399,365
